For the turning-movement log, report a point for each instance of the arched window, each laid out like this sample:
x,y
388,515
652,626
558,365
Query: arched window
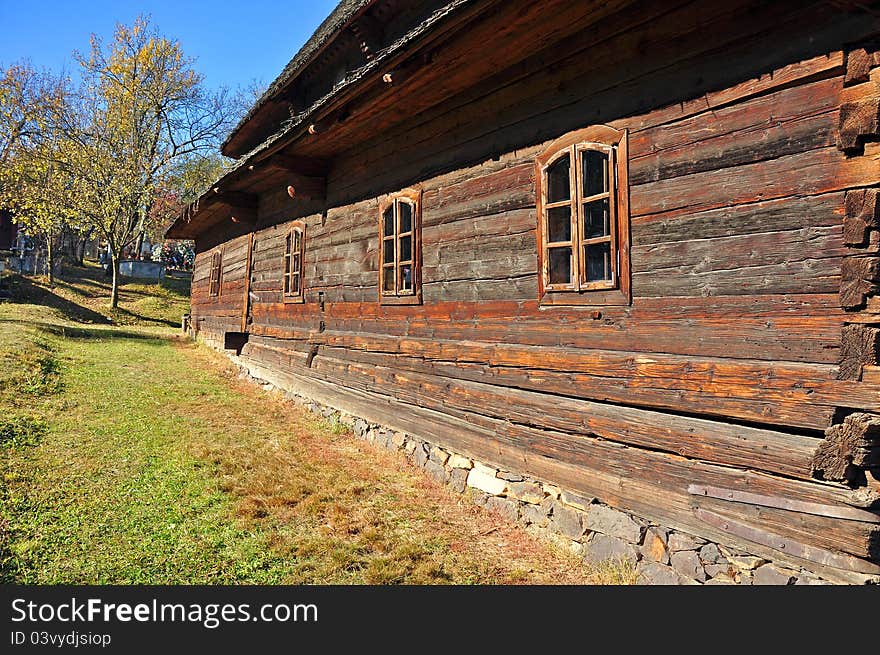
x,y
294,245
400,249
583,215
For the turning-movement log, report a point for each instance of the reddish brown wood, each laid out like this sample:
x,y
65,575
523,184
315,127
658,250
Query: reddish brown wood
x,y
749,326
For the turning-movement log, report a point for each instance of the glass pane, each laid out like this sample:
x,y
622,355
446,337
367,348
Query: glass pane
x,y
406,278
287,245
595,170
294,267
560,265
294,284
598,257
405,249
405,217
388,252
559,224
286,284
389,221
388,279
596,219
558,185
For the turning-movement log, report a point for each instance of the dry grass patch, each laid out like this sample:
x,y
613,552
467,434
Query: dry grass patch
x,y
345,511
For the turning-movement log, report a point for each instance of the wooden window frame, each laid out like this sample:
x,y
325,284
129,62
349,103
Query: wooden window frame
x,y
215,284
412,197
616,291
296,235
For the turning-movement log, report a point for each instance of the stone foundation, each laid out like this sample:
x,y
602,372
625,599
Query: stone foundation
x,y
581,524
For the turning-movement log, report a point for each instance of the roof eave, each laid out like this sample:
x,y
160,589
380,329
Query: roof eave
x,y
346,12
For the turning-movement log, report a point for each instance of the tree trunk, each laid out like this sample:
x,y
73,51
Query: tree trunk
x,y
80,251
50,260
114,295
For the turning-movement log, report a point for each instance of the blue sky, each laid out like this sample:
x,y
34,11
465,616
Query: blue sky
x,y
233,42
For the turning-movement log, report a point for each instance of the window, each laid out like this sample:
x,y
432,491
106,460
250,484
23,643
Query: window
x,y
400,249
583,215
216,273
293,262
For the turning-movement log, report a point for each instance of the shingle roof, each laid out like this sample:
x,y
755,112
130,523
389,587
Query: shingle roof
x,y
345,12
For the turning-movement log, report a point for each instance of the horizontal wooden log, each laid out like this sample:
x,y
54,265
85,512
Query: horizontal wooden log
x,y
813,172
710,441
789,213
650,484
793,328
752,391
766,136
740,251
818,67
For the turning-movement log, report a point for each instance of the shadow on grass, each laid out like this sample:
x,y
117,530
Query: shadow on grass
x,y
24,291
147,319
68,332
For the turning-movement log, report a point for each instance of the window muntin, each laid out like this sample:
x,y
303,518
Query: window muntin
x,y
399,274
583,218
216,273
294,250
579,219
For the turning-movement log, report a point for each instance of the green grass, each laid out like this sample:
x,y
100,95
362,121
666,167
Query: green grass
x,y
130,455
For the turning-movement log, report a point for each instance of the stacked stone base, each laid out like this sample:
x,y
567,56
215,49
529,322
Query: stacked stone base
x,y
590,529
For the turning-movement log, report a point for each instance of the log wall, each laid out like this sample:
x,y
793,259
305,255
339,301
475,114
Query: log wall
x,y
727,368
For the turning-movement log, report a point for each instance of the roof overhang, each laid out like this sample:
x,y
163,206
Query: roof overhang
x,y
390,67
342,17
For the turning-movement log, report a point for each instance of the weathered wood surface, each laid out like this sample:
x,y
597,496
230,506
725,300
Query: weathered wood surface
x,y
753,239
849,449
763,449
645,482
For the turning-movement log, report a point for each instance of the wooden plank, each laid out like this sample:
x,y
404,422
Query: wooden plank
x,y
813,172
793,505
740,251
711,441
648,484
825,65
788,213
793,328
778,542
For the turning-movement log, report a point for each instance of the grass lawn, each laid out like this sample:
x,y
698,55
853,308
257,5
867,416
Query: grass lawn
x,y
132,455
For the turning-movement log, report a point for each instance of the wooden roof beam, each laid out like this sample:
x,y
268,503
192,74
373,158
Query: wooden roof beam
x,y
306,166
237,214
302,187
369,34
236,198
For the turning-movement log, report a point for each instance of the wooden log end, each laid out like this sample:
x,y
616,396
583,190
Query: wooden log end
x,y
859,278
859,62
848,449
859,122
859,347
861,213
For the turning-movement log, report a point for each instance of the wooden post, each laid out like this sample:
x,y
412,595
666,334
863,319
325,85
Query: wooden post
x,y
246,304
